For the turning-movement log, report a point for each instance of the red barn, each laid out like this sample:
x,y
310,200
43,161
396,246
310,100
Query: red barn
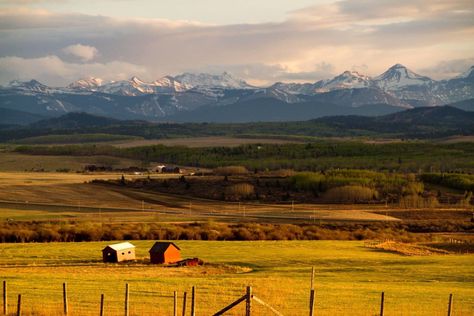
x,y
165,252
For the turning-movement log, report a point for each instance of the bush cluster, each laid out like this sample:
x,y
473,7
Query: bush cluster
x,y
84,231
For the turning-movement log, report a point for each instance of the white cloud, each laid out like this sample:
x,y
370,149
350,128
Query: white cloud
x,y
54,71
367,35
83,52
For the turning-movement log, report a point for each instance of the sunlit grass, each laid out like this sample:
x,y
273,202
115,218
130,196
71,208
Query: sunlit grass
x,y
349,278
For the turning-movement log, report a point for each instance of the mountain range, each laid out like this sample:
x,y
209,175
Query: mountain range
x,y
223,98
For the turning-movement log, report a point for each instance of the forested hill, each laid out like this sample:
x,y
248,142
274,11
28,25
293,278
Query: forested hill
x,y
425,122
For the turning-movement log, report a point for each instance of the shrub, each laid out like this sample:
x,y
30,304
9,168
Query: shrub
x,y
350,193
239,191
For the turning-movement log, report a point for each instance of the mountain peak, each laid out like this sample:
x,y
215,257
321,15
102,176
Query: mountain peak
x,y
90,83
206,80
399,76
137,80
346,80
32,85
397,66
468,73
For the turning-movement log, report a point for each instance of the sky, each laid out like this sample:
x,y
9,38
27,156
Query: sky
x,y
261,41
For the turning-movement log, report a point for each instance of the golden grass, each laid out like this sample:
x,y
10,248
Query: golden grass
x,y
67,194
349,278
11,162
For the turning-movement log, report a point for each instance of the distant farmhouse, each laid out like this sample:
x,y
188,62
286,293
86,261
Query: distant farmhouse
x,y
165,252
119,252
166,169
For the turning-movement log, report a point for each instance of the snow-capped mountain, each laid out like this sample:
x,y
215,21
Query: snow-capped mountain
x,y
203,80
170,96
294,88
90,83
132,87
399,76
32,86
170,84
346,80
468,74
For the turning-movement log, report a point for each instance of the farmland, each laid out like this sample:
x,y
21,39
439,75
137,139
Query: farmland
x,y
349,278
42,204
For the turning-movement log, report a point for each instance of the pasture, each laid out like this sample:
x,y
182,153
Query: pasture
x,y
349,278
68,196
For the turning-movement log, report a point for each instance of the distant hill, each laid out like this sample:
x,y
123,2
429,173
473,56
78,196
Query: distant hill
x,y
424,121
74,121
272,110
466,105
15,117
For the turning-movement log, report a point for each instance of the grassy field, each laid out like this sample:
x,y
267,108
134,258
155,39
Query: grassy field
x,y
349,278
13,162
64,196
216,141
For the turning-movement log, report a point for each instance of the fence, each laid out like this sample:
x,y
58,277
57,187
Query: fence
x,y
189,303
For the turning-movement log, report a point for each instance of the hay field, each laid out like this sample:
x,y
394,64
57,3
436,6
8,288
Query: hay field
x,y
12,162
63,196
349,278
213,141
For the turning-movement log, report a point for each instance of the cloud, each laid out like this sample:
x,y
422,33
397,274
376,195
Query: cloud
x,y
83,52
264,74
52,70
449,68
367,35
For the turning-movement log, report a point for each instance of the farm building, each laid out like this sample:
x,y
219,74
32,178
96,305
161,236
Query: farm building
x,y
166,169
164,252
118,252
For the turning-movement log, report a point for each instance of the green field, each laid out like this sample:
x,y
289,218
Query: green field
x,y
349,278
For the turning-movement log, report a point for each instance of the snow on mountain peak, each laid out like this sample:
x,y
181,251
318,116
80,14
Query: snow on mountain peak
x,y
169,83
90,83
346,80
204,80
399,76
468,73
29,86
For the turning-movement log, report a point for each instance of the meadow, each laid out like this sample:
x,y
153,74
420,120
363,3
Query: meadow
x,y
348,280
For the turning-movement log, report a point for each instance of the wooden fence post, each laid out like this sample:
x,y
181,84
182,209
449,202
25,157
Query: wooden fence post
x,y
175,303
65,307
382,302
311,303
5,298
311,294
101,304
248,301
193,299
184,304
127,303
450,305
18,308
